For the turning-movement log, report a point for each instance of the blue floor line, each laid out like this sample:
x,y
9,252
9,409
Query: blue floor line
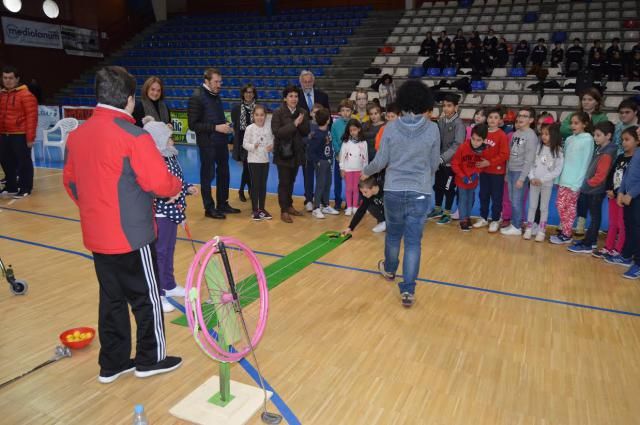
x,y
286,412
358,269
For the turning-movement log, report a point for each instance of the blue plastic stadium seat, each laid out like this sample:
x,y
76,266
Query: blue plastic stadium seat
x,y
449,72
477,85
433,72
416,72
517,72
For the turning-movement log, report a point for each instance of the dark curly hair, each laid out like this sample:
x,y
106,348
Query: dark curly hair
x,y
414,96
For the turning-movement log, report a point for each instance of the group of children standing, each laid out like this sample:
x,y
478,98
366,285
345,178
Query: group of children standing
x,y
594,162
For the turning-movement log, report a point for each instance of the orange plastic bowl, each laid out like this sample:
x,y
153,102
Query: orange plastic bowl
x,y
77,344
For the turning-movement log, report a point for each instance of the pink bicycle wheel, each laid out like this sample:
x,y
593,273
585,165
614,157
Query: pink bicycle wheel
x,y
220,292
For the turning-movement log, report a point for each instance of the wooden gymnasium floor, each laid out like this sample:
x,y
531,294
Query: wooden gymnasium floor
x,y
486,343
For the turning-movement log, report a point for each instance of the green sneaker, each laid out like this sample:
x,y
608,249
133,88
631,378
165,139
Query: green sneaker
x,y
437,212
445,219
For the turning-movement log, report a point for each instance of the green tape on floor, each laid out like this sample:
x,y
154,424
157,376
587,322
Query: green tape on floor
x,y
282,269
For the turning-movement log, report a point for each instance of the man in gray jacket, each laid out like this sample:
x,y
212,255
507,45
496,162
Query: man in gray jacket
x,y
524,145
452,134
410,152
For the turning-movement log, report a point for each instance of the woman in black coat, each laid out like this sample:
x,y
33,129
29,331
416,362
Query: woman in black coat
x,y
152,103
242,117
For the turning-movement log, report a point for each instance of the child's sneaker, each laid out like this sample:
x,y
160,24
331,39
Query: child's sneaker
x,y
456,215
21,194
579,248
540,237
107,377
348,211
264,214
633,272
600,253
480,223
387,275
167,365
436,213
528,233
408,299
167,307
619,260
256,216
308,206
380,227
511,230
560,239
465,226
330,211
178,291
317,213
494,226
444,219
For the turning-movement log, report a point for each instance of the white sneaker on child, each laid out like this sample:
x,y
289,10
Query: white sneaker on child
x,y
308,206
317,213
380,227
178,291
540,236
527,233
348,211
511,230
330,211
494,226
480,223
167,307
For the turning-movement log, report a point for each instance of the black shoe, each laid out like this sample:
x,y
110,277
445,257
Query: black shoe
x,y
256,216
228,209
107,377
167,365
241,196
408,299
21,194
264,214
214,214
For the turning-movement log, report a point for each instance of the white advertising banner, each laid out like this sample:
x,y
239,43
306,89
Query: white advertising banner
x,y
48,116
30,33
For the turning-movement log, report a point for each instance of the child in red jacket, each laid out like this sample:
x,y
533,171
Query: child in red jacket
x,y
494,167
465,166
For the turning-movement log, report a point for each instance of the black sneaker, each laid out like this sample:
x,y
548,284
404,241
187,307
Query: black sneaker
x,y
21,194
256,216
465,226
228,209
384,273
214,214
107,377
167,365
265,215
408,299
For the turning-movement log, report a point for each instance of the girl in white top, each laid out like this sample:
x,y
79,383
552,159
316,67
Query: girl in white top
x,y
546,168
353,158
258,141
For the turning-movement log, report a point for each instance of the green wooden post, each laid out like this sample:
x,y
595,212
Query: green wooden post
x,y
223,396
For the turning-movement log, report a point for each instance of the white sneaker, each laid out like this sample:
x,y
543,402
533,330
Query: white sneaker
x,y
534,229
511,230
456,215
494,226
540,236
167,307
178,291
330,211
380,227
308,206
480,223
317,213
527,233
348,211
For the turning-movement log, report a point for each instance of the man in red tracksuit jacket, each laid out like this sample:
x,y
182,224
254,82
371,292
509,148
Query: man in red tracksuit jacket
x,y
113,171
18,122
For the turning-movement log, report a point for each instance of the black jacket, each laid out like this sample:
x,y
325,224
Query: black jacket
x,y
318,97
204,113
285,132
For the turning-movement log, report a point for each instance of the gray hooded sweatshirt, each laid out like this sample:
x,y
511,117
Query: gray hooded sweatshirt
x,y
524,145
410,152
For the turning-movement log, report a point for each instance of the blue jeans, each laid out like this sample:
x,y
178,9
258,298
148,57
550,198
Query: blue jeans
x,y
516,196
491,189
405,214
465,202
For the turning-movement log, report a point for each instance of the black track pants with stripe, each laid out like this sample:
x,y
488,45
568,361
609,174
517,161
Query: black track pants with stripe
x,y
129,279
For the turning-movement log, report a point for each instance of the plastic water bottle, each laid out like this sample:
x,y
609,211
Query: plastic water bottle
x,y
139,418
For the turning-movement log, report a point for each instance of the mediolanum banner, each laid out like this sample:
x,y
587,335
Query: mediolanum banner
x,y
31,33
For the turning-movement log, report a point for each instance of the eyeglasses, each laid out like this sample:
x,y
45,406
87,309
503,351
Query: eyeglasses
x,y
524,116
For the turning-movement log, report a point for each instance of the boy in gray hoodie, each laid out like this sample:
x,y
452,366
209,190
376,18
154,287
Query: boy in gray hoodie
x,y
523,148
452,135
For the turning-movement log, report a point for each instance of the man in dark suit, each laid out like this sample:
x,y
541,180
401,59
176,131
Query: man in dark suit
x,y
309,95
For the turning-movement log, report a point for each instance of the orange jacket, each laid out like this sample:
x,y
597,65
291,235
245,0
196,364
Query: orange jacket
x,y
18,112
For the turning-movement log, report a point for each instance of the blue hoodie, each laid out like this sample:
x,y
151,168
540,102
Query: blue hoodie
x,y
337,131
578,151
410,152
631,181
